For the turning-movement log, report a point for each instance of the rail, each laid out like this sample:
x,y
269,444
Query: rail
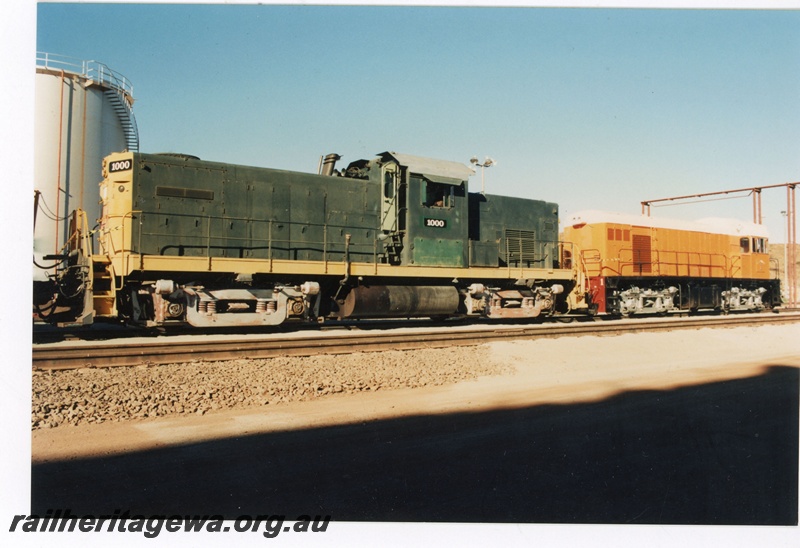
x,y
166,350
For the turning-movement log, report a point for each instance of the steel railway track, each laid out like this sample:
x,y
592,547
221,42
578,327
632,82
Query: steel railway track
x,y
71,355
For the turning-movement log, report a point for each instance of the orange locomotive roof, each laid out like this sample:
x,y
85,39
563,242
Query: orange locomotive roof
x,y
733,227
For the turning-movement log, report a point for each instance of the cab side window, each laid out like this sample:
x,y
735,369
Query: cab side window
x,y
744,245
438,195
388,185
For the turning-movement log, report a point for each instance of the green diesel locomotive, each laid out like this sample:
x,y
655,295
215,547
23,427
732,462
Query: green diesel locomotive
x,y
183,241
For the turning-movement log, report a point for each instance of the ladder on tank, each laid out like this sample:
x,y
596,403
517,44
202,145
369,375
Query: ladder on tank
x,y
119,102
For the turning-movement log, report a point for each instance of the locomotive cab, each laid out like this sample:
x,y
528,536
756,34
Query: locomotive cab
x,y
425,210
754,256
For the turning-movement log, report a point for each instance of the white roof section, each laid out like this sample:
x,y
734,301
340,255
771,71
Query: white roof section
x,y
712,225
430,166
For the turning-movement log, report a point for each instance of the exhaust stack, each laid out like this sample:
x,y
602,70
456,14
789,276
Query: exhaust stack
x,y
328,163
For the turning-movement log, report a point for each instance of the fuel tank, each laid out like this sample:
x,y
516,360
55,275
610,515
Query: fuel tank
x,y
381,301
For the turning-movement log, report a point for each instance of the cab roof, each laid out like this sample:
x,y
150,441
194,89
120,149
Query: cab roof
x,y
429,166
712,225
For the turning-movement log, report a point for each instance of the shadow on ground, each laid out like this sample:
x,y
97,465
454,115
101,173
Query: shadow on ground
x,y
719,453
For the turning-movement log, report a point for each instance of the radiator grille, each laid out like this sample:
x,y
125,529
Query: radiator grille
x,y
520,247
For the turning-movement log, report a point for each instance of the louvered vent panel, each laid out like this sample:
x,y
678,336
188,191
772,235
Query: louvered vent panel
x,y
642,259
520,247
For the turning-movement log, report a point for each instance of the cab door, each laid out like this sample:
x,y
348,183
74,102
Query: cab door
x,y
438,220
390,200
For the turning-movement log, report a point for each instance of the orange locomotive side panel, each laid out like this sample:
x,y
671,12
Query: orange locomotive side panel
x,y
614,249
636,264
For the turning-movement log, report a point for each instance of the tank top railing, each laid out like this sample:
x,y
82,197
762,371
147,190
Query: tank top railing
x,y
92,70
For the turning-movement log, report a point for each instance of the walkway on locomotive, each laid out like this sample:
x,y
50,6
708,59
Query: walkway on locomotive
x,y
406,216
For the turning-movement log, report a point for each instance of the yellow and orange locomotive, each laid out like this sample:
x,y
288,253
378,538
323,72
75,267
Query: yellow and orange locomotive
x,y
644,264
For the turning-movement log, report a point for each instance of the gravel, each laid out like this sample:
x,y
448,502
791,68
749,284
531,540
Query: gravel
x,y
63,398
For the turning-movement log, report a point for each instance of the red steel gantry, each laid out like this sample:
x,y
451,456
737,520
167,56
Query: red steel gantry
x,y
791,225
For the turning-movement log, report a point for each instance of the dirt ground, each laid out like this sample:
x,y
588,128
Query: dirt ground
x,y
692,427
546,371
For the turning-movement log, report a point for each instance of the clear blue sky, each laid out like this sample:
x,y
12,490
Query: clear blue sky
x,y
591,108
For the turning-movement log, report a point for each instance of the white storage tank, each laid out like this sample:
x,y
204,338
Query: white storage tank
x,y
83,113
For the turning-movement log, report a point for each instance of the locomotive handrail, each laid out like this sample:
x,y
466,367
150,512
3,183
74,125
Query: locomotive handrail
x,y
711,265
579,266
776,269
736,268
393,201
208,242
79,235
365,248
210,239
595,261
656,263
124,260
717,265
